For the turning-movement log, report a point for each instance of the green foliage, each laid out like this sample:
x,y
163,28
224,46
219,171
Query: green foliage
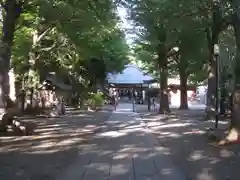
x,y
21,49
163,25
198,77
66,43
96,100
65,37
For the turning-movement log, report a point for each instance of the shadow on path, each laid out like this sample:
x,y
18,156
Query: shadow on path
x,y
184,136
56,145
123,149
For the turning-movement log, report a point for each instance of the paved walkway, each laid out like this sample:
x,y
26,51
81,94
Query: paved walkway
x,y
55,146
124,149
190,150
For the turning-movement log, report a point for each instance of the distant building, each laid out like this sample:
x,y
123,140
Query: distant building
x,y
131,75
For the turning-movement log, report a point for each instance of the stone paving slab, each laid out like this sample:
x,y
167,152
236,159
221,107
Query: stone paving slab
x,y
124,149
166,169
145,169
50,153
134,154
184,136
99,171
127,151
122,169
77,170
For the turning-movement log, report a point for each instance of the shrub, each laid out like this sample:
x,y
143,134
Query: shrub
x,y
96,100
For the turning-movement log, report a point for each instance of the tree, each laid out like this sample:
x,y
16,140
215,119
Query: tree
x,y
190,59
11,13
220,18
59,42
234,129
163,26
153,34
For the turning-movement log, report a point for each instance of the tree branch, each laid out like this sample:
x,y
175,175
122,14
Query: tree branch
x,y
43,34
171,53
48,48
173,60
17,28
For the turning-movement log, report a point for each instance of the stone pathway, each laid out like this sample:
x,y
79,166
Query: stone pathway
x,y
124,149
54,147
184,136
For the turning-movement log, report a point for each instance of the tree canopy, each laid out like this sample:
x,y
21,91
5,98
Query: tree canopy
x,y
65,37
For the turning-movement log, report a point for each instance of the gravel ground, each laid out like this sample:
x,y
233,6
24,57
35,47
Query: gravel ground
x,y
190,149
55,145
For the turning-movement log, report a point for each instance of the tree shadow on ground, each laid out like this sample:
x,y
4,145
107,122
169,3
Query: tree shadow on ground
x,y
190,148
131,151
121,149
55,145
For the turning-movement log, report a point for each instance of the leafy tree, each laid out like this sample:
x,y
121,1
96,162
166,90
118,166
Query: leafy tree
x,y
61,42
163,26
219,18
154,36
234,128
10,15
190,60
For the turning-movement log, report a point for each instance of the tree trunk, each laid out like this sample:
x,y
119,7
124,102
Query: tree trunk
x,y
164,102
13,10
211,91
234,128
212,37
162,65
32,67
183,88
33,76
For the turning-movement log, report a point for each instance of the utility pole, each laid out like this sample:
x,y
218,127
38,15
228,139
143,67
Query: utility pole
x,y
216,54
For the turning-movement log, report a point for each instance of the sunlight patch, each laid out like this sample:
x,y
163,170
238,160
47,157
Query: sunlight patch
x,y
121,156
165,133
226,153
43,152
214,160
83,115
44,145
67,142
155,124
175,125
175,135
126,131
112,134
196,155
194,132
166,171
118,170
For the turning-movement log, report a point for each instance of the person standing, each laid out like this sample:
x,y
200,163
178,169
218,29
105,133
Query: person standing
x,y
149,103
115,99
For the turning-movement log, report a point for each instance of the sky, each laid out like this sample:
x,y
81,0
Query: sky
x,y
122,12
129,37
